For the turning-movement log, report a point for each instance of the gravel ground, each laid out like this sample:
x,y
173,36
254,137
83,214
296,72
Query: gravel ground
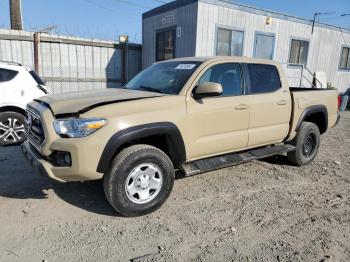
x,y
264,210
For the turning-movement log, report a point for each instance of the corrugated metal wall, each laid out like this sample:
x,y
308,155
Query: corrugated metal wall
x,y
184,19
70,63
324,50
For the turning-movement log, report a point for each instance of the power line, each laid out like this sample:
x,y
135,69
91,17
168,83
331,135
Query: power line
x,y
107,8
160,1
132,3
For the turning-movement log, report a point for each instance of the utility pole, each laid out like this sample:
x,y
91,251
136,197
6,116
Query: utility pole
x,y
16,15
37,52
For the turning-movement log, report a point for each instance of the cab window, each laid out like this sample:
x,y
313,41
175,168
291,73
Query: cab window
x,y
263,78
228,75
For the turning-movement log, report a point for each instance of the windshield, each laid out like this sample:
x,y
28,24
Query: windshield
x,y
164,77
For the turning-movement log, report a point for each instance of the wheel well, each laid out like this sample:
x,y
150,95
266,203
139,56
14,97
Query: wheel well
x,y
162,135
319,119
162,142
12,109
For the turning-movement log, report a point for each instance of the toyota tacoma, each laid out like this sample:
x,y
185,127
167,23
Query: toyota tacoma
x,y
189,114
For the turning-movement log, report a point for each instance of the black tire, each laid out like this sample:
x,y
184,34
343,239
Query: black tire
x,y
307,143
117,178
11,128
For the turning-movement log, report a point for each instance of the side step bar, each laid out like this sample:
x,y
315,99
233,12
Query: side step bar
x,y
217,162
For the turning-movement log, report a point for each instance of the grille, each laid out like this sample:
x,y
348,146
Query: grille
x,y
34,128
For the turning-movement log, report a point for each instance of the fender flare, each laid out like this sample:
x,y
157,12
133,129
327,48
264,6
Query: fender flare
x,y
312,110
173,135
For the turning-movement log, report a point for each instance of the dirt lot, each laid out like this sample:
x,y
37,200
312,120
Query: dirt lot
x,y
261,211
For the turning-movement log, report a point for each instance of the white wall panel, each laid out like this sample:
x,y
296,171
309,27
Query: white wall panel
x,y
324,49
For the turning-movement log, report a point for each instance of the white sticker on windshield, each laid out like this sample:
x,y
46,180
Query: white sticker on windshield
x,y
185,66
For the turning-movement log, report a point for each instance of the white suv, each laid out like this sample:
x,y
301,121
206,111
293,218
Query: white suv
x,y
18,86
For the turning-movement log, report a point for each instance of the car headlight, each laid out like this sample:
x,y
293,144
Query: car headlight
x,y
78,127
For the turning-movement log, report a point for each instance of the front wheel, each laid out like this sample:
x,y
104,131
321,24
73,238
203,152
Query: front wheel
x,y
139,180
11,128
306,142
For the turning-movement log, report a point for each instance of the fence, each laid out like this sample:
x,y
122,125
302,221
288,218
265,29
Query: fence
x,y
71,63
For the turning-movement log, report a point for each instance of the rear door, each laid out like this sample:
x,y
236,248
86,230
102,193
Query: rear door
x,y
219,124
270,105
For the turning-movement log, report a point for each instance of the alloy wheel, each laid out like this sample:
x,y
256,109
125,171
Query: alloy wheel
x,y
11,130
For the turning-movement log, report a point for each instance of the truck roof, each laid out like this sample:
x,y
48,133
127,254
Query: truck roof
x,y
224,58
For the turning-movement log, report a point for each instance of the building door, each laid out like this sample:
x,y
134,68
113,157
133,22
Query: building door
x,y
165,44
264,45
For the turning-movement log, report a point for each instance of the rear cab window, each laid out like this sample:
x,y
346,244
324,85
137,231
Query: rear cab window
x,y
7,75
263,78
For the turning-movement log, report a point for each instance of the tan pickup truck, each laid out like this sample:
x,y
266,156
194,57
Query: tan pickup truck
x,y
188,114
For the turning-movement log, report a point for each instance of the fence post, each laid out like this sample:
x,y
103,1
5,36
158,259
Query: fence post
x,y
37,52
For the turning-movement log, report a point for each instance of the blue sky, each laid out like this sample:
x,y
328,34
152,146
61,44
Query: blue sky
x,y
106,19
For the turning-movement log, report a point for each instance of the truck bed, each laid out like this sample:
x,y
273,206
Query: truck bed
x,y
308,98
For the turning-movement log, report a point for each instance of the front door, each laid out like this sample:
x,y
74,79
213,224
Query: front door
x,y
218,125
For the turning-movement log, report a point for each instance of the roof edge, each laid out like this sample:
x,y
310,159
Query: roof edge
x,y
241,7
274,14
167,7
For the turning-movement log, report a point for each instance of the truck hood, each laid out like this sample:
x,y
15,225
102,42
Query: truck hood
x,y
82,101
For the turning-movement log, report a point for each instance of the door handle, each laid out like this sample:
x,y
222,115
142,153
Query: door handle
x,y
241,107
282,102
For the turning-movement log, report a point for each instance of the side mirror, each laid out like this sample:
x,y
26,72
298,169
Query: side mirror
x,y
207,89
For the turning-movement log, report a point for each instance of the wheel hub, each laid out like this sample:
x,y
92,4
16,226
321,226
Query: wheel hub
x,y
309,145
144,183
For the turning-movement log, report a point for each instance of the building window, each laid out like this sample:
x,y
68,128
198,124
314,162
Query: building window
x,y
298,52
264,46
229,42
345,58
165,45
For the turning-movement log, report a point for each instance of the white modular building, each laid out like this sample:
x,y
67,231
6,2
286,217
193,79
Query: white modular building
x,y
221,27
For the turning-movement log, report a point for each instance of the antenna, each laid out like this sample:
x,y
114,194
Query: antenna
x,y
315,16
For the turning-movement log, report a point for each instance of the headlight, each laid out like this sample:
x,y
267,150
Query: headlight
x,y
78,127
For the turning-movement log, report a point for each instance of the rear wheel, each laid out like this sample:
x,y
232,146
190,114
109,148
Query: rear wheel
x,y
139,181
11,128
307,142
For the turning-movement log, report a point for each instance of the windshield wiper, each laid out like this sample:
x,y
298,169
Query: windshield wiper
x,y
148,88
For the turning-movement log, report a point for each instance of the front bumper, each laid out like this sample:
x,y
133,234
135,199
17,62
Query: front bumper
x,y
39,165
79,171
